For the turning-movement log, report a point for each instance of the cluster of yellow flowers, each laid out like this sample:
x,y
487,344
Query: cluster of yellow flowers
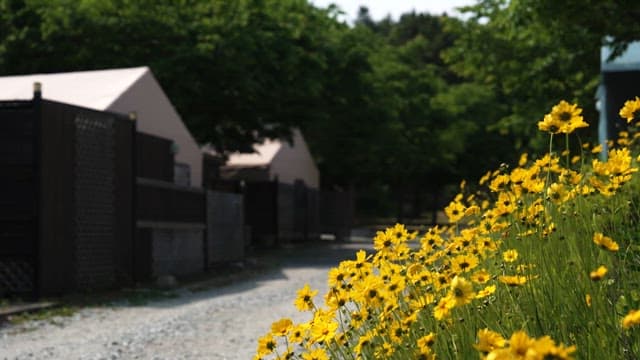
x,y
397,301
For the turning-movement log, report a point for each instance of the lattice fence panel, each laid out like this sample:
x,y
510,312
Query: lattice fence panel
x,y
16,276
94,201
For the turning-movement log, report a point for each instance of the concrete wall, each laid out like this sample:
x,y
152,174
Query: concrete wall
x,y
225,227
295,162
177,251
156,116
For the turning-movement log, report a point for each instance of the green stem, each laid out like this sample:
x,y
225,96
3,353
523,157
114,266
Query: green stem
x,y
566,147
548,180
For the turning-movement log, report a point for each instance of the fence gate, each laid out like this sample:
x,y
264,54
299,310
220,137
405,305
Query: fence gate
x,y
18,199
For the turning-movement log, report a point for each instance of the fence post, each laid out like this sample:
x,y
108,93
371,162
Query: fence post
x,y
37,171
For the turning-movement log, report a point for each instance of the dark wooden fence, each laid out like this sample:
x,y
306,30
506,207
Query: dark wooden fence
x,y
226,232
154,158
171,221
78,165
19,190
88,203
283,213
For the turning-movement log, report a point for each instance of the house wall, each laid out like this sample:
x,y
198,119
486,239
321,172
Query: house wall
x,y
157,116
295,162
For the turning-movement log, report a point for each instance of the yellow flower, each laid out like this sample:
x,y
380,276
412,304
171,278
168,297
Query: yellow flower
x,y
370,291
281,327
575,159
464,263
605,242
510,255
550,125
520,344
513,280
461,291
597,149
316,354
558,193
506,204
455,211
630,110
618,164
359,317
587,299
488,341
443,307
266,345
486,292
523,159
336,277
545,347
304,300
323,327
481,276
598,274
499,183
631,319
297,333
564,118
426,342
385,351
363,343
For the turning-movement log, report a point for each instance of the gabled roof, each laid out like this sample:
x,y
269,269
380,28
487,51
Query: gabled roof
x,y
92,89
263,155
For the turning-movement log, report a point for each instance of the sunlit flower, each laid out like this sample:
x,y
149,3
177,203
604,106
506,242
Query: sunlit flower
x,y
323,328
598,274
499,183
304,300
281,327
266,345
558,193
455,211
489,340
364,342
510,255
464,263
486,292
443,308
605,242
426,342
630,110
631,319
481,276
297,333
461,291
513,280
316,354
564,118
520,344
523,159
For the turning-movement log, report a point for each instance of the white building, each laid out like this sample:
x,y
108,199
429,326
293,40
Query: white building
x,y
121,91
275,159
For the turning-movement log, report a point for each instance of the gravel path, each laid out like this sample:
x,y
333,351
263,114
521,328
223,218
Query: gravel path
x,y
218,323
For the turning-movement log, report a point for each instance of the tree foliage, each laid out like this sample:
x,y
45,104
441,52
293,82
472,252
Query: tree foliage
x,y
404,107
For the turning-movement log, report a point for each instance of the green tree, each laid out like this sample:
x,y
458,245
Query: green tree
x,y
532,54
237,71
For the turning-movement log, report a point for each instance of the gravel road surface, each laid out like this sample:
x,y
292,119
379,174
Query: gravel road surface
x,y
223,322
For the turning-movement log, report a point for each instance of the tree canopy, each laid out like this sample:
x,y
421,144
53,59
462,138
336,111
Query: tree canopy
x,y
393,108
